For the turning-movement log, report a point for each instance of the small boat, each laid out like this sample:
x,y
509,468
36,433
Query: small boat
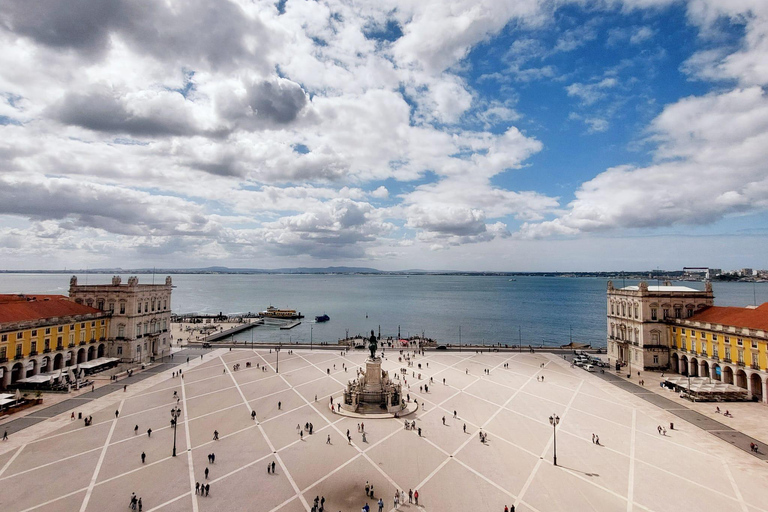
x,y
322,318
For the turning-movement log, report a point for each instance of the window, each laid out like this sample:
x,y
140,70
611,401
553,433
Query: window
x,y
33,347
653,314
703,334
138,350
612,312
121,331
138,310
102,322
636,357
18,350
112,307
754,344
693,345
100,304
714,337
682,331
678,313
122,308
82,325
82,335
153,304
727,339
728,353
636,311
623,309
93,324
119,351
34,332
755,361
704,346
71,338
93,334
693,333
19,335
674,329
741,356
60,329
72,326
684,346
165,303
740,342
138,329
3,353
47,330
146,306
613,331
690,312
4,337
47,344
666,312
59,342
655,359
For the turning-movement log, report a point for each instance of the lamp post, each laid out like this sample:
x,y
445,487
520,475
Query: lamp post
x,y
277,364
175,413
554,420
459,338
310,337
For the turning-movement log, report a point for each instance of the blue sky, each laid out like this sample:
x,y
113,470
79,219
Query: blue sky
x,y
468,135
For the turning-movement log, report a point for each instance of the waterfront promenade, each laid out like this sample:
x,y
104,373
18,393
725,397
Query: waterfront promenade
x,y
633,468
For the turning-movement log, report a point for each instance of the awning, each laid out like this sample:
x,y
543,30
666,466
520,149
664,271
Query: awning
x,y
95,363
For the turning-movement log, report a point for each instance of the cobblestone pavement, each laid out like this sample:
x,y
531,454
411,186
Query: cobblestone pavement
x,y
59,464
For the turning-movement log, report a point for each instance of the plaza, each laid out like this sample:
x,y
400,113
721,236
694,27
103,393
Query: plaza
x,y
60,464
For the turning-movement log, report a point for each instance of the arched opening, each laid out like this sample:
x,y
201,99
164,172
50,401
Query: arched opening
x,y
757,386
58,361
694,367
704,369
684,365
32,367
741,379
727,375
716,372
100,353
675,361
91,353
5,377
45,365
81,356
17,373
70,360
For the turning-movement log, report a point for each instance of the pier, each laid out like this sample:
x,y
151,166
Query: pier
x,y
234,330
290,325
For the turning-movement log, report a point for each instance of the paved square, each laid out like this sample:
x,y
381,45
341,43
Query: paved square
x,y
60,465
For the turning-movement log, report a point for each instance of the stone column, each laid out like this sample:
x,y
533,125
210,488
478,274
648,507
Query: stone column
x,y
691,366
764,383
750,388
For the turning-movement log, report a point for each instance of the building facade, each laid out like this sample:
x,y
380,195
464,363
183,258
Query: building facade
x,y
141,315
45,333
638,321
724,343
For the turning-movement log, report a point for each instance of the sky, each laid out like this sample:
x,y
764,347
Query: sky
x,y
519,135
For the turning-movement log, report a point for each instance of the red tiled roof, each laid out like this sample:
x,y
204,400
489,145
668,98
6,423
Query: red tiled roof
x,y
21,308
756,318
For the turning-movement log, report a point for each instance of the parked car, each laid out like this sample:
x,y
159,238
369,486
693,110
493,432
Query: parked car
x,y
206,345
589,368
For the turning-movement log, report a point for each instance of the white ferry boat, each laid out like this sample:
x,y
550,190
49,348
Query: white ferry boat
x,y
286,314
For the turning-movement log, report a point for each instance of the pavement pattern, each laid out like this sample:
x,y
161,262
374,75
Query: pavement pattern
x,y
59,464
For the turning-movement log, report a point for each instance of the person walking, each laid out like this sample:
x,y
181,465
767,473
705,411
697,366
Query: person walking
x,y
207,489
206,473
416,497
410,495
143,457
135,430
273,467
328,441
197,487
117,413
279,405
149,432
140,505
215,435
5,435
381,505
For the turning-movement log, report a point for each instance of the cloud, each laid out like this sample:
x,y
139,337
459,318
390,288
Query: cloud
x,y
380,193
710,164
591,92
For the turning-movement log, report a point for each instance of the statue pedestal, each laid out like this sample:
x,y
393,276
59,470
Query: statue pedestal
x,y
373,375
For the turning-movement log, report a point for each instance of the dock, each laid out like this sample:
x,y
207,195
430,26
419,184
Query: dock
x,y
234,330
290,325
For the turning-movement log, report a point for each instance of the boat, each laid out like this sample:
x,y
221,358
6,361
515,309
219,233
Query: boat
x,y
322,318
285,314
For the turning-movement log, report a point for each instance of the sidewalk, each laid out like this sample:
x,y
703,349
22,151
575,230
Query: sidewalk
x,y
746,426
55,403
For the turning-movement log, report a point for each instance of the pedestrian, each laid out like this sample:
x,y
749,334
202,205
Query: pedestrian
x,y
279,405
207,489
197,487
117,413
209,458
416,497
72,417
206,473
367,487
253,415
364,439
410,496
269,470
149,432
215,435
465,428
140,505
593,438
597,438
371,495
443,420
663,431
301,434
273,467
381,505
135,430
454,415
213,458
396,501
143,457
125,388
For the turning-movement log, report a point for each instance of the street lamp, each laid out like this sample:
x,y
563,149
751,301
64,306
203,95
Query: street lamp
x,y
310,337
277,364
175,414
554,420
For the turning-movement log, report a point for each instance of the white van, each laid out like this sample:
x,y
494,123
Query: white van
x,y
589,368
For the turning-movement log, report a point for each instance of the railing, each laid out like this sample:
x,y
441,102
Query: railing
x,y
59,347
82,343
755,366
71,345
33,352
3,359
715,357
92,340
704,353
46,351
741,363
727,360
18,356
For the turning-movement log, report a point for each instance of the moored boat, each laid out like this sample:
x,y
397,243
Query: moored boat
x,y
322,318
286,314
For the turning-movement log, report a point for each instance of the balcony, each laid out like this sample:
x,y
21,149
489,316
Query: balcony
x,y
71,345
18,357
755,366
704,353
81,343
92,340
741,363
46,351
727,360
59,347
33,353
3,359
715,357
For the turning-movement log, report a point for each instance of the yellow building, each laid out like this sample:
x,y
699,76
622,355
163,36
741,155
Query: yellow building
x,y
47,333
724,343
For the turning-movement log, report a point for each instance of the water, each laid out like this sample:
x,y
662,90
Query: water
x,y
487,310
